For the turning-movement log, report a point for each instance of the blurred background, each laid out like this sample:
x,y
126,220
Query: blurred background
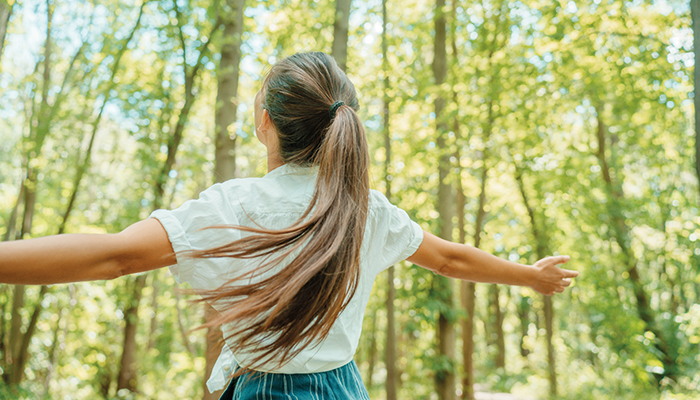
x,y
523,127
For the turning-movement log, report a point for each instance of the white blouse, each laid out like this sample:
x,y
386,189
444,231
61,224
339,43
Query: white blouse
x,y
276,201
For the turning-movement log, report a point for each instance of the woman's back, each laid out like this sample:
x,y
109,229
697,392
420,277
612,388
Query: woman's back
x,y
277,201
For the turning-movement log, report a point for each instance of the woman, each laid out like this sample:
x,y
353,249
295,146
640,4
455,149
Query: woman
x,y
288,260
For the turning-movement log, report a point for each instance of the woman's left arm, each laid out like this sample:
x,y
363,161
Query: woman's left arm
x,y
143,246
469,263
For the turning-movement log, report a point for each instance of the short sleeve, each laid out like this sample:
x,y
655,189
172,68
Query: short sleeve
x,y
403,239
394,236
186,230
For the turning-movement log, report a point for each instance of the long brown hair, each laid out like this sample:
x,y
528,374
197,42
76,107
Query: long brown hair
x,y
297,306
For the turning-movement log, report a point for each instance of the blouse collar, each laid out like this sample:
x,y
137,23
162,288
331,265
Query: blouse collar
x,y
291,169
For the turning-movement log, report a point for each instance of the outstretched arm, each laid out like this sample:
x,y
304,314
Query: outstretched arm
x,y
469,263
85,257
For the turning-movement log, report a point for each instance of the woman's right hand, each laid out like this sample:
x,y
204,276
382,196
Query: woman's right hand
x,y
549,278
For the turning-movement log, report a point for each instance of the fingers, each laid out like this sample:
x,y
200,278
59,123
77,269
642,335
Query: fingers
x,y
556,260
554,279
569,273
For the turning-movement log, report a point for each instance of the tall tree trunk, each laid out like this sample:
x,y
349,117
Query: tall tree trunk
x,y
127,371
174,140
469,294
39,130
12,220
227,93
621,234
5,14
372,350
225,143
390,358
63,313
15,337
42,123
497,320
19,343
445,377
551,359
23,354
181,326
523,307
213,349
695,16
539,234
84,164
154,319
127,368
340,33
390,345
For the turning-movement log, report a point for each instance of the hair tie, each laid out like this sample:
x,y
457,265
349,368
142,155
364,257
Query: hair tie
x,y
335,107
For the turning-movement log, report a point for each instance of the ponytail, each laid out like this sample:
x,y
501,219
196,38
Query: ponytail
x,y
297,306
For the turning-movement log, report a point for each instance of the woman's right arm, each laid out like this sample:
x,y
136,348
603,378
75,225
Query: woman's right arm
x,y
142,246
469,263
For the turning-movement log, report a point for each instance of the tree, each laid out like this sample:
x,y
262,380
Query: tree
x,y
695,15
5,14
390,356
445,374
225,145
340,32
127,372
542,249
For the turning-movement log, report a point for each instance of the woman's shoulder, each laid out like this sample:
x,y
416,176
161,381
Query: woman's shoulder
x,y
237,188
378,201
285,193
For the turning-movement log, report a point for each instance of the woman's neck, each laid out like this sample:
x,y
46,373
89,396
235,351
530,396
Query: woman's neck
x,y
273,160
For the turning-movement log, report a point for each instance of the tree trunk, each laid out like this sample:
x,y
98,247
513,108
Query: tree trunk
x,y
42,123
154,318
621,234
340,33
213,349
84,164
63,313
175,139
15,339
23,354
127,368
227,94
181,325
497,321
469,295
549,329
12,220
28,196
523,307
372,350
225,143
695,16
5,14
19,343
390,345
445,376
539,234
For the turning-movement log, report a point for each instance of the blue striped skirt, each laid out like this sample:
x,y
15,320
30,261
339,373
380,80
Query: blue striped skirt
x,y
344,383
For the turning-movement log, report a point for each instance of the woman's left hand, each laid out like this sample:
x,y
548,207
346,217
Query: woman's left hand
x,y
551,279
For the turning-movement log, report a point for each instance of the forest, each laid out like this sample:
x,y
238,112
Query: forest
x,y
525,128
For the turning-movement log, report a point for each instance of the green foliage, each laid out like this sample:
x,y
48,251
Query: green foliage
x,y
527,89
